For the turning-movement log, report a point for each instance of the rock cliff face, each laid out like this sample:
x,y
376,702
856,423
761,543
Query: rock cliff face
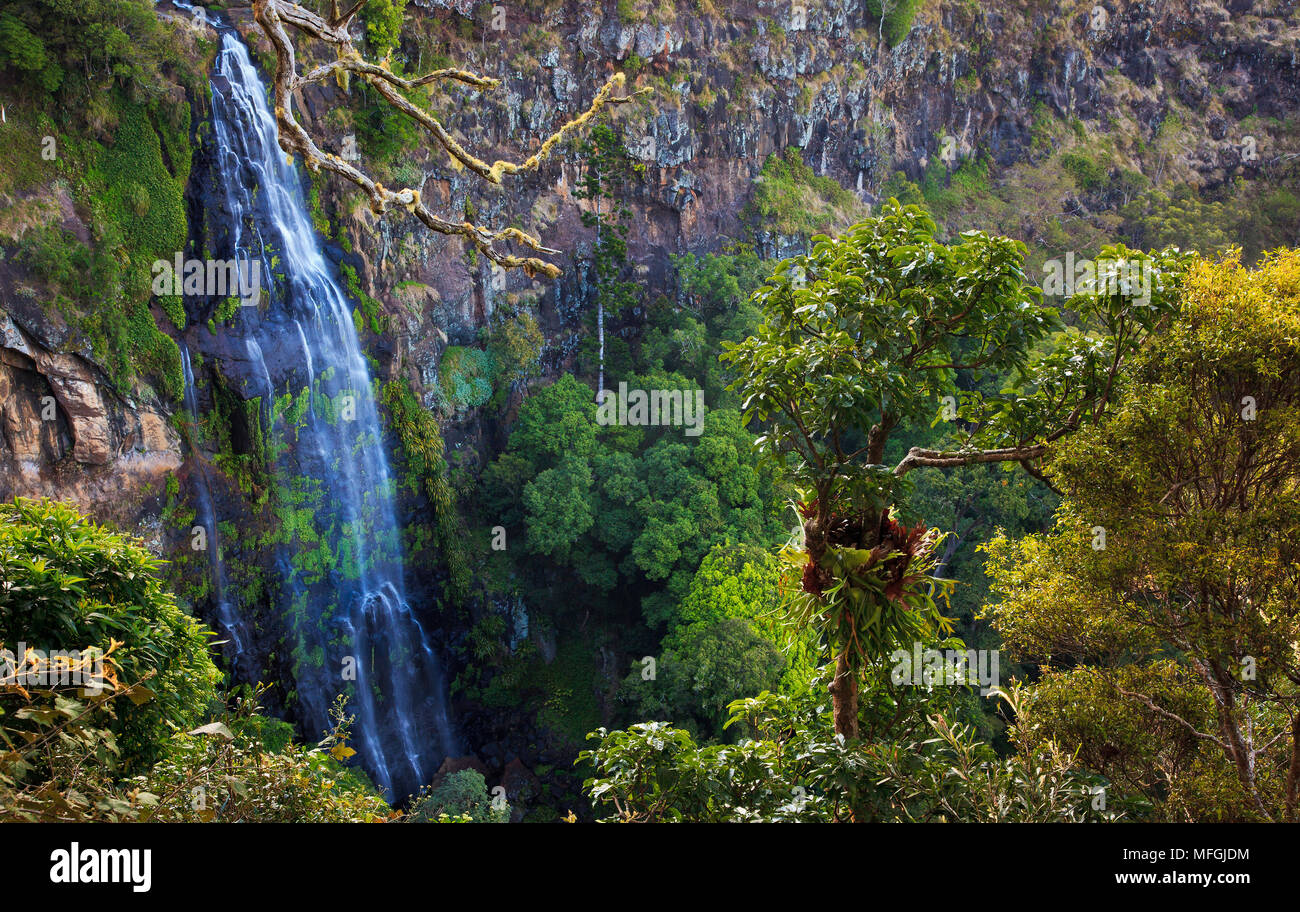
x,y
66,433
734,82
737,82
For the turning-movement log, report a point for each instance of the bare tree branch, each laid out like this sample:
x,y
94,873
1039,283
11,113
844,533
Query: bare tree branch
x,y
918,457
274,15
1038,473
1172,717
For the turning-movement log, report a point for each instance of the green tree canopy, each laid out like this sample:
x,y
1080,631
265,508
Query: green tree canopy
x,y
1164,607
866,335
461,795
627,512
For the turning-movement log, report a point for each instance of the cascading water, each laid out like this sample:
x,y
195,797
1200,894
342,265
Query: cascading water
x,y
340,597
206,515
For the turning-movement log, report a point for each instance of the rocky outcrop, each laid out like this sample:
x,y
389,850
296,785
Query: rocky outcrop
x,y
64,433
731,86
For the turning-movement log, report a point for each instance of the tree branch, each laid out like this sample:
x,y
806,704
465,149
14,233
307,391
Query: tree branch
x,y
273,15
1173,717
918,457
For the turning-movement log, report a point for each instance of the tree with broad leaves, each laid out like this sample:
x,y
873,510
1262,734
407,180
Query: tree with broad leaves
x,y
867,334
275,16
1180,630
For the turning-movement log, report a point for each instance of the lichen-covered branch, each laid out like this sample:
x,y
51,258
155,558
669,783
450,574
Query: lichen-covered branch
x,y
274,15
918,457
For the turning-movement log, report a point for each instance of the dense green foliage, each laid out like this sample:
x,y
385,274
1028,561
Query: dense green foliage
x,y
922,765
462,795
1178,628
147,738
123,148
383,22
726,640
66,48
895,17
426,472
243,768
716,289
630,511
67,583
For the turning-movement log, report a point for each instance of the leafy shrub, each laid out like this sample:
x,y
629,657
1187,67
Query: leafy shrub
x,y
370,314
23,51
120,42
68,583
383,131
241,767
798,769
466,375
897,186
461,794
514,346
383,22
790,199
897,17
1087,173
706,667
426,470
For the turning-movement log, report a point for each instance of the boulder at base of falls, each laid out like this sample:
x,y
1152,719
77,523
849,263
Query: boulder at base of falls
x,y
521,786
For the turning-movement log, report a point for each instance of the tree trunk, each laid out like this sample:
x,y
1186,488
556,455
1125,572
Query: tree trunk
x,y
1241,755
1293,775
844,698
950,549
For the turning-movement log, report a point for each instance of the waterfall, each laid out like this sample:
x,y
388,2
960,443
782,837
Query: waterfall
x,y
340,597
206,515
